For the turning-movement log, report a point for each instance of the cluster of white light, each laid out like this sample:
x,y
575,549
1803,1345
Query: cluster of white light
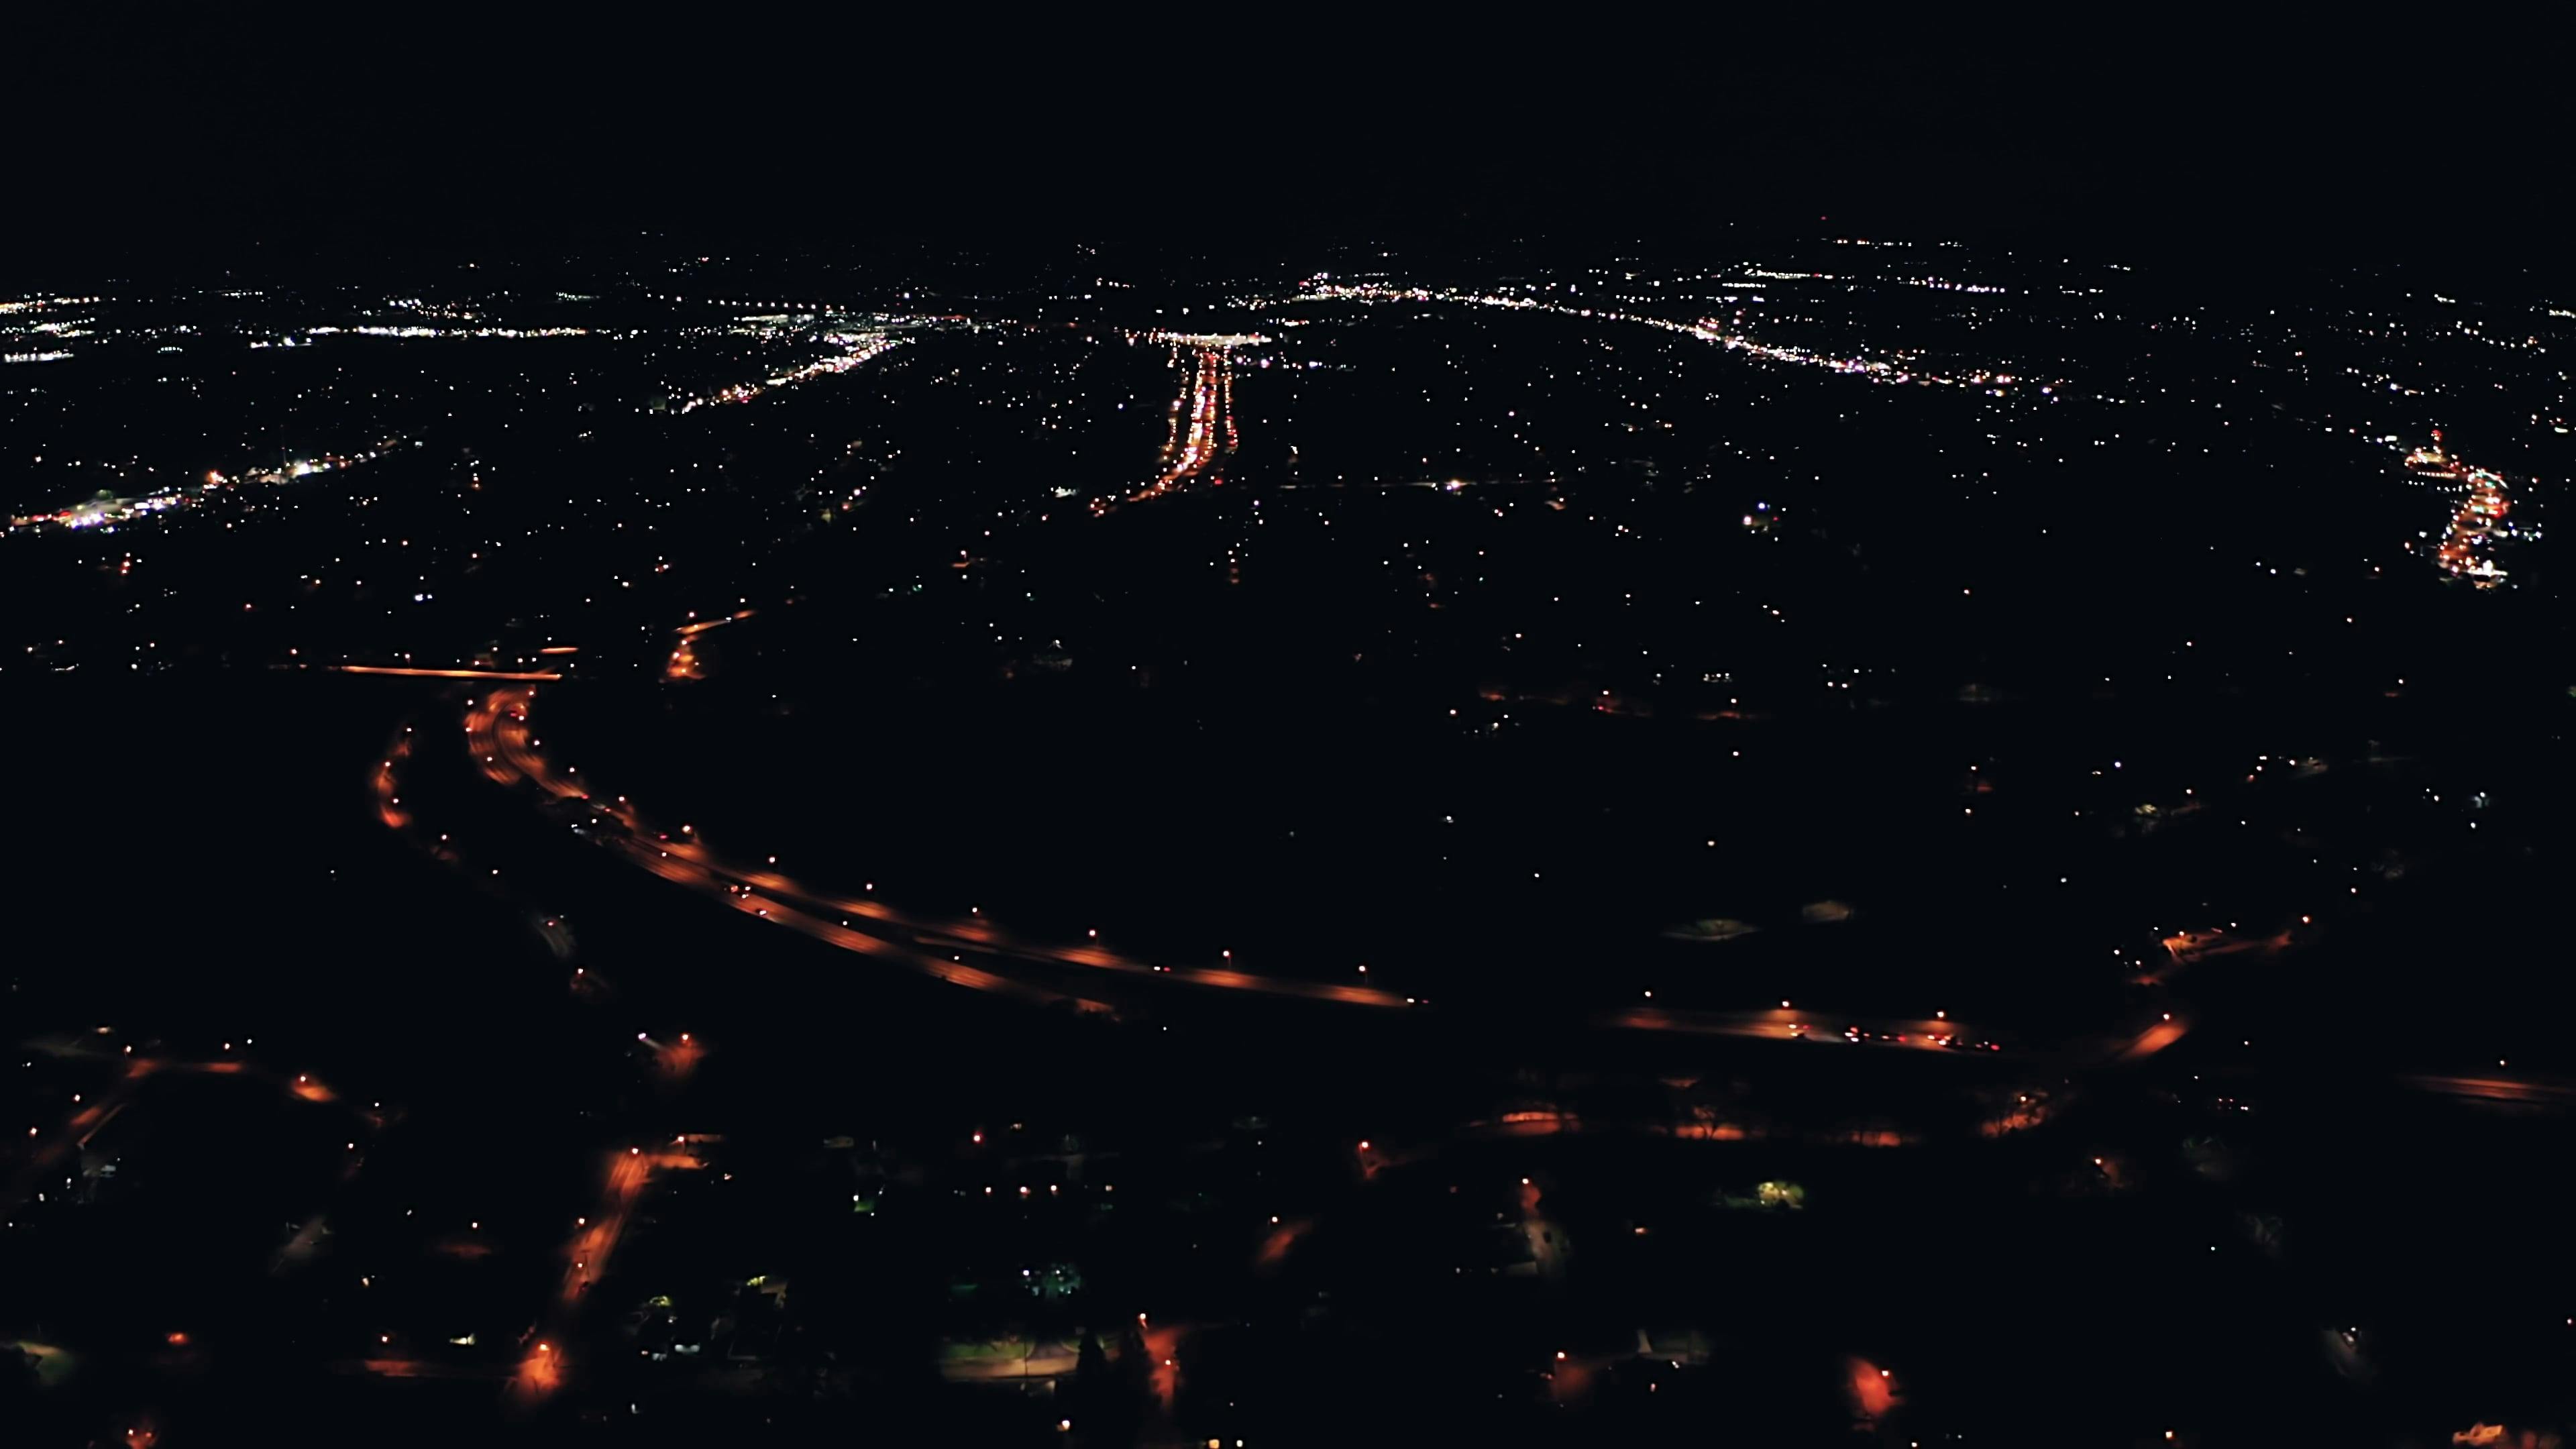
x,y
1940,286
1206,339
380,331
33,356
1706,330
859,349
115,510
1871,368
103,512
1336,292
32,304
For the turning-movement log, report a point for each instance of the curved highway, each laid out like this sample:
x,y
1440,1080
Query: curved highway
x,y
499,735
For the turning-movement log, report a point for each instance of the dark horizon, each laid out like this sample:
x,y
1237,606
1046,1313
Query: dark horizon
x,y
204,139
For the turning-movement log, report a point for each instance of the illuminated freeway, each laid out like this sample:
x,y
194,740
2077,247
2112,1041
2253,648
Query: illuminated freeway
x,y
1203,433
499,736
2466,549
497,732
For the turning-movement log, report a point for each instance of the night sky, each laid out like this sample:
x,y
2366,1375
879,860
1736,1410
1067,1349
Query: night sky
x,y
174,137
1319,698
